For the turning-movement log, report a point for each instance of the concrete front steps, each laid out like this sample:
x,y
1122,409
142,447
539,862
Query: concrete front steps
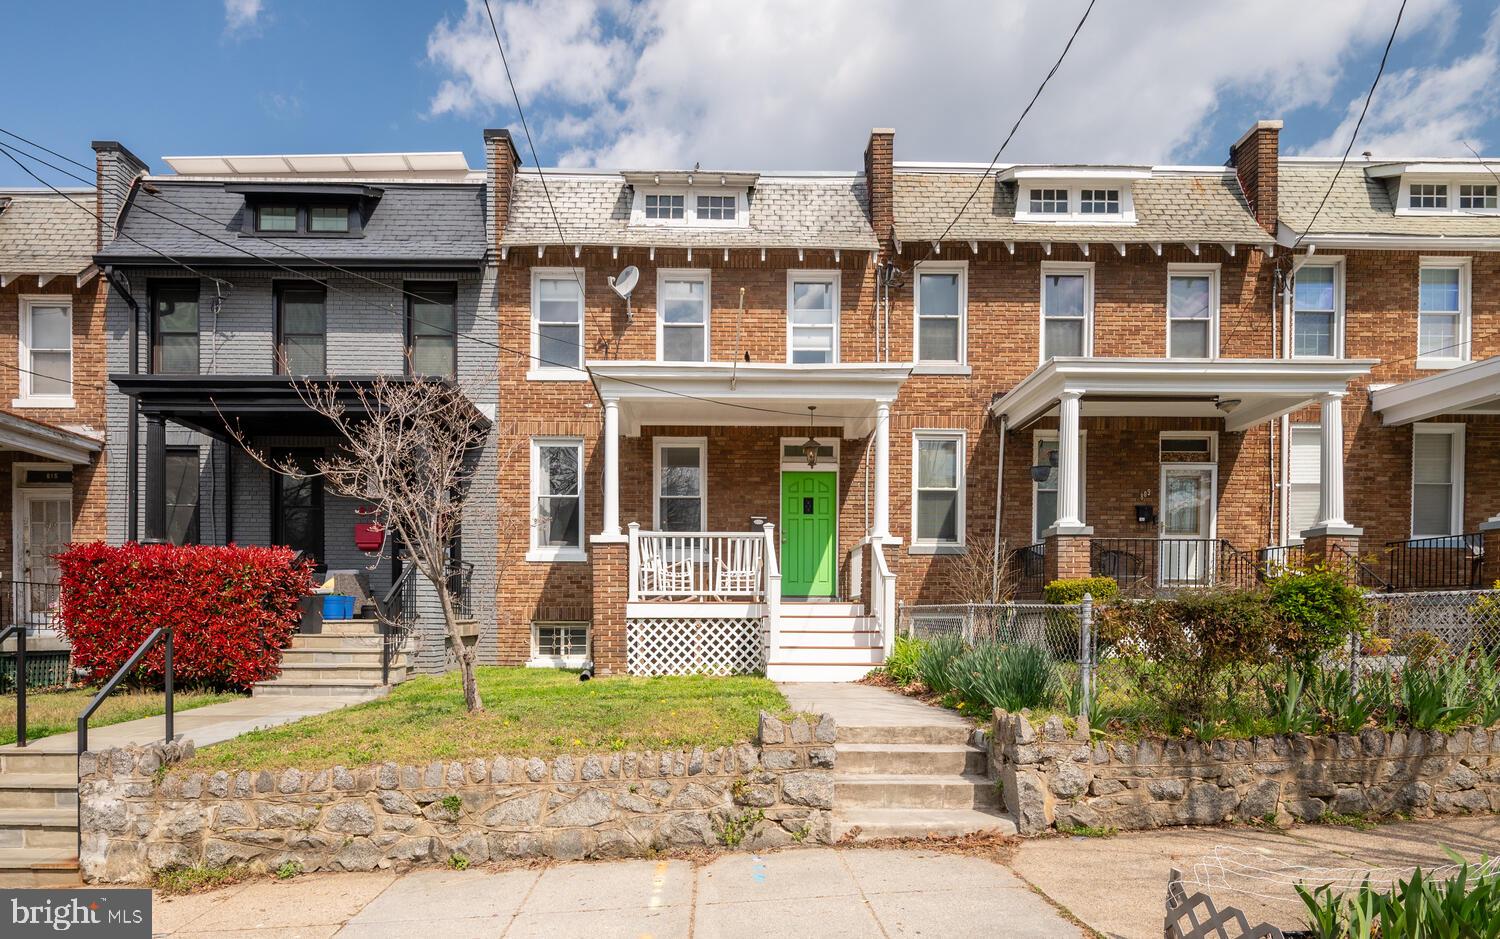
x,y
343,659
913,781
38,818
825,642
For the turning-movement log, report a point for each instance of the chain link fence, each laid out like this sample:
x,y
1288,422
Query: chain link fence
x,y
1405,629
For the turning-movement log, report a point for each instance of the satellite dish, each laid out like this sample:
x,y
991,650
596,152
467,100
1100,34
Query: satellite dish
x,y
624,283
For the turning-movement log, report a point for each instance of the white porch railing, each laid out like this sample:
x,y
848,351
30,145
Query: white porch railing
x,y
702,566
881,602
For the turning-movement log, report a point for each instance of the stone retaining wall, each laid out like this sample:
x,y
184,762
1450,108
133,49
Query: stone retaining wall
x,y
1056,776
138,816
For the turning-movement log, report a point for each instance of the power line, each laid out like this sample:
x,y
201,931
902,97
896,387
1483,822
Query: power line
x,y
1014,127
391,310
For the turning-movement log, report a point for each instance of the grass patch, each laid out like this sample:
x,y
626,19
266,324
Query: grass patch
x,y
1358,822
180,880
1088,831
56,712
529,711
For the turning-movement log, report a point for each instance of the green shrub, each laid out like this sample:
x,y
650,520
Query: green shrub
x,y
1437,696
1072,589
1321,608
901,666
1007,675
936,661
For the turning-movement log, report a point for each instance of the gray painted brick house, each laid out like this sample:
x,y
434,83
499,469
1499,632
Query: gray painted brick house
x,y
232,272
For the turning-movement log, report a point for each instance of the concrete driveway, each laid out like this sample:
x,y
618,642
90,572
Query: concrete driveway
x,y
814,892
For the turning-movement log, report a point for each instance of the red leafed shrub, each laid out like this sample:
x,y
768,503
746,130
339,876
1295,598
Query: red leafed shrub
x,y
232,609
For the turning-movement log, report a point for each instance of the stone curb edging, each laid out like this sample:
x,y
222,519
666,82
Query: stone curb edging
x,y
137,818
1059,777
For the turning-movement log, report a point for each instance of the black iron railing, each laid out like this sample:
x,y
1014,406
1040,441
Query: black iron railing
x,y
159,634
1028,570
19,631
1143,566
1277,558
1449,562
460,577
1356,570
398,614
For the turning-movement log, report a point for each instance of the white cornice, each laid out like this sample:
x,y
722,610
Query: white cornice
x,y
1465,388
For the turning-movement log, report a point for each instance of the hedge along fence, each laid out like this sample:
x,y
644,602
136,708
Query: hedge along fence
x,y
232,609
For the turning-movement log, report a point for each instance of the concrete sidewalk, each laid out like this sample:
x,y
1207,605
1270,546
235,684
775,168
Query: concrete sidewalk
x,y
1117,885
806,892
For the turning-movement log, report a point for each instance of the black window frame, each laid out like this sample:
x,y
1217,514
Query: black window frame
x,y
431,291
193,534
262,206
301,457
156,291
302,228
280,289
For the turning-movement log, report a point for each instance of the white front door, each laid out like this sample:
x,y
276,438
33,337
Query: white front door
x,y
44,526
1185,552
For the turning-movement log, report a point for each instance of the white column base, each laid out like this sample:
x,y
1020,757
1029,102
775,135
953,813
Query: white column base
x,y
1333,531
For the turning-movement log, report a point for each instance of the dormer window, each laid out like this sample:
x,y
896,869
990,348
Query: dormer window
x,y
1099,201
1479,196
717,208
1429,195
663,206
276,218
328,218
1049,201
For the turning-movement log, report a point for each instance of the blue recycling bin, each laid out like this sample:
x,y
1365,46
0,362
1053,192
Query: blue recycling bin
x,y
338,606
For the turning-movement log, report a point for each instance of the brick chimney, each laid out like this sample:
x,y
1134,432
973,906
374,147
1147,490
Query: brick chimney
x,y
115,171
880,155
1255,158
501,161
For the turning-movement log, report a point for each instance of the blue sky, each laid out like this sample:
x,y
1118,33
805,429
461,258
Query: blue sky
x,y
775,85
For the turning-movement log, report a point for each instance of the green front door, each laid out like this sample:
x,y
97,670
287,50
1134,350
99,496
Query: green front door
x,y
809,533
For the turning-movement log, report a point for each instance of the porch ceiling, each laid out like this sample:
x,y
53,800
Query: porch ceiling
x,y
747,394
1467,389
1259,389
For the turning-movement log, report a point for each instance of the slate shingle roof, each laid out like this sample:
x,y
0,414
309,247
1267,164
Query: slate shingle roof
x,y
1197,207
1360,205
411,222
826,212
44,233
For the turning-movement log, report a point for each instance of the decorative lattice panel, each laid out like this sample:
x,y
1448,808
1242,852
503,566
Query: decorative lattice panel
x,y
693,646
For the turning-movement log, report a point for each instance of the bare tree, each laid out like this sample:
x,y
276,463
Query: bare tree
x,y
409,448
982,574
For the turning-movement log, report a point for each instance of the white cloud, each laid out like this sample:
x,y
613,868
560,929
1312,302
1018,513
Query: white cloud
x,y
1426,110
798,84
241,15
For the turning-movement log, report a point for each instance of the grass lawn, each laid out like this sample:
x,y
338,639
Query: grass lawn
x,y
56,712
528,711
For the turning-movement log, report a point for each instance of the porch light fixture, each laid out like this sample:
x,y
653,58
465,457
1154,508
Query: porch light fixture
x,y
810,445
1227,405
1041,471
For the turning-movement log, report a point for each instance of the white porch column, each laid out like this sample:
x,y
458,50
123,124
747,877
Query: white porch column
x,y
611,467
1068,407
1331,462
881,526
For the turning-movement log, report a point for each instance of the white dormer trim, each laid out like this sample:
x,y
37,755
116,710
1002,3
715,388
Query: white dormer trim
x,y
1074,186
690,193
1451,183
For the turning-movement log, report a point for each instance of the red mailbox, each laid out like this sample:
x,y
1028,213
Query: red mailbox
x,y
369,536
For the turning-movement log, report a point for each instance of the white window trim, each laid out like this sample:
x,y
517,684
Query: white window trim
x,y
933,545
538,371
1289,343
26,399
835,281
552,553
537,660
690,196
1465,268
686,273
1086,268
1075,214
1044,436
1456,469
1403,195
657,443
1213,445
799,464
1288,429
941,366
1196,270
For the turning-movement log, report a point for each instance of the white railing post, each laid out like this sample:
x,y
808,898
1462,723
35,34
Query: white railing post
x,y
633,575
772,567
857,571
888,602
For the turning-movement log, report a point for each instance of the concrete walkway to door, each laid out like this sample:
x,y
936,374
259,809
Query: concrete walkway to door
x,y
854,705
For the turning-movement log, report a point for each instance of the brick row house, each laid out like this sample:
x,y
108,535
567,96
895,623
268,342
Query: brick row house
x,y
51,395
751,414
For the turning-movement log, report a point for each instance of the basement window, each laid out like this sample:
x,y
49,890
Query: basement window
x,y
559,645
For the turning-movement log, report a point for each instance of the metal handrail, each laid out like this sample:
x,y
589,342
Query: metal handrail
x,y
1360,571
389,611
20,630
156,636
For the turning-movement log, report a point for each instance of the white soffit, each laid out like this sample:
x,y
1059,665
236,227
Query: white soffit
x,y
723,394
1472,388
1261,389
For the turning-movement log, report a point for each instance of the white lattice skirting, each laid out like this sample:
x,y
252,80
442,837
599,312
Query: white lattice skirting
x,y
693,646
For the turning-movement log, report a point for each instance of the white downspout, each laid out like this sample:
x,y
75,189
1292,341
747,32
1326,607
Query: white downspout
x,y
997,562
